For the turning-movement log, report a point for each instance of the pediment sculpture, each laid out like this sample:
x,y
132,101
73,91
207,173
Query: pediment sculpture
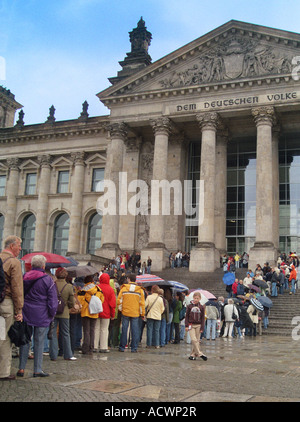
x,y
235,58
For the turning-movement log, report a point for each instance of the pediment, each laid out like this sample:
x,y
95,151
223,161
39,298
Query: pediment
x,y
232,53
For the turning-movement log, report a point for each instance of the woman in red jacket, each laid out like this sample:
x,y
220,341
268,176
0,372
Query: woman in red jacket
x,y
109,308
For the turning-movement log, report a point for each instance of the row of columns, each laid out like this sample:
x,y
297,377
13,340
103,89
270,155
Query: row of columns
x,y
212,223
42,212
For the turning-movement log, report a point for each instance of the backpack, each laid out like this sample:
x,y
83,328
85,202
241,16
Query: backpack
x,y
2,279
61,303
2,283
95,305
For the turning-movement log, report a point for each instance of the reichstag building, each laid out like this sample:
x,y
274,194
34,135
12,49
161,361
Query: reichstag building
x,y
218,119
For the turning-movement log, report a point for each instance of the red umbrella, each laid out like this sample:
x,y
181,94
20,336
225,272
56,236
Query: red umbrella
x,y
51,258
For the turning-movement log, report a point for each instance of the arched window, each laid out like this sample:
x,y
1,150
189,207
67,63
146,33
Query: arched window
x,y
61,234
1,228
94,233
27,234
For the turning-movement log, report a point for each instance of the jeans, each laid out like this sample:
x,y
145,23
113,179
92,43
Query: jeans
x,y
39,334
153,329
211,326
293,290
75,331
64,330
266,322
134,330
163,332
274,290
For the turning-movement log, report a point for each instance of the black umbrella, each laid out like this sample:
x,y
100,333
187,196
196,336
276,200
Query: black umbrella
x,y
261,283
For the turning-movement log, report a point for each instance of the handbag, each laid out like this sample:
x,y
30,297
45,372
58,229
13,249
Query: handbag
x,y
20,333
233,316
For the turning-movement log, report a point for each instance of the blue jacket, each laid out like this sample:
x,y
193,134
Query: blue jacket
x,y
40,303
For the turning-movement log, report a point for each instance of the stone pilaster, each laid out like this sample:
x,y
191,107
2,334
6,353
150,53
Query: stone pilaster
x,y
221,189
156,247
77,202
43,201
263,249
205,257
11,197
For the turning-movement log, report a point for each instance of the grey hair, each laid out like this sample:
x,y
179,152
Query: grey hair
x,y
9,240
38,261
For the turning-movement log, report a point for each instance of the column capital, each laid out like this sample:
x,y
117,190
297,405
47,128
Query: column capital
x,y
118,130
209,120
264,116
13,163
78,157
162,125
44,160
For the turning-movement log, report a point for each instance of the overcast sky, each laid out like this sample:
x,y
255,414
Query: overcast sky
x,y
62,52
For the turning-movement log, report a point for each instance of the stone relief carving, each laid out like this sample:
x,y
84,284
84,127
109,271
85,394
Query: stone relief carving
x,y
143,221
235,58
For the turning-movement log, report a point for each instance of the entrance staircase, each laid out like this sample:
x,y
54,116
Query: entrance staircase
x,y
285,306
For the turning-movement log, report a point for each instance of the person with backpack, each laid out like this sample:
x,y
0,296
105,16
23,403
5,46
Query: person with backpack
x,y
194,324
40,305
66,298
12,304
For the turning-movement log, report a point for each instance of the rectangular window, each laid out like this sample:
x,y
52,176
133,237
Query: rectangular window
x,y
98,177
63,182
30,186
2,185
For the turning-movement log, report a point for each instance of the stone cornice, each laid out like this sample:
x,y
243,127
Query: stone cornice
x,y
58,130
123,91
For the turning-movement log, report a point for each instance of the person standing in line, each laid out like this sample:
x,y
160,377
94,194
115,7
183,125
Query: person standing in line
x,y
88,320
194,323
108,314
154,306
131,303
229,309
63,320
12,305
40,304
176,320
212,314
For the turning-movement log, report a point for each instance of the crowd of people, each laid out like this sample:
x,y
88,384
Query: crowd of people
x,y
111,310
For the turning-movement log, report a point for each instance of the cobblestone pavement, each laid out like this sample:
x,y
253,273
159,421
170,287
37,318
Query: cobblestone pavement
x,y
251,369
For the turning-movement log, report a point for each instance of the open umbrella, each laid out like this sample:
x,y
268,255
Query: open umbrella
x,y
256,304
146,280
81,270
265,301
253,287
72,262
261,283
175,285
206,293
203,299
228,278
51,257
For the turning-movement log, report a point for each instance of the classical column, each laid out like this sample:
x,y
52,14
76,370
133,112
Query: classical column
x,y
221,190
77,202
42,205
205,257
263,249
127,229
275,170
114,166
11,197
156,246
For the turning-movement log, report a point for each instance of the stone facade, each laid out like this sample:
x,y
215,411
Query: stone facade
x,y
234,82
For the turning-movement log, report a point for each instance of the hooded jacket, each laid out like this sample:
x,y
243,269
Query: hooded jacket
x,y
131,300
293,273
109,304
40,302
84,296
